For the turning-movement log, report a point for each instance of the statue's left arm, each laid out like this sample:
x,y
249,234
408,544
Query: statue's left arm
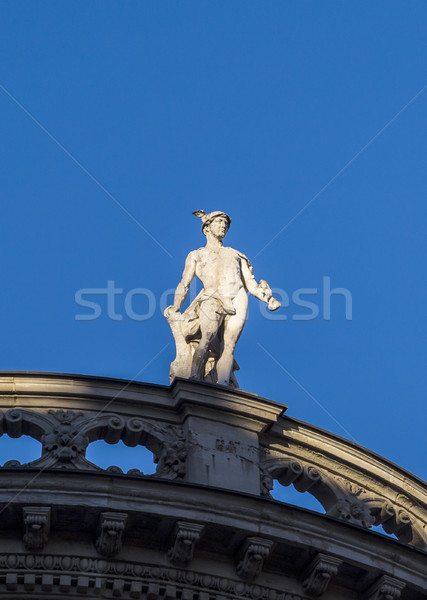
x,y
260,290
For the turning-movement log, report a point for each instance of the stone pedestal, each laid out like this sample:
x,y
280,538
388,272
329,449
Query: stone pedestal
x,y
223,428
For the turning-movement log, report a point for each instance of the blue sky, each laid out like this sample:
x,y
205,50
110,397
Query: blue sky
x,y
154,110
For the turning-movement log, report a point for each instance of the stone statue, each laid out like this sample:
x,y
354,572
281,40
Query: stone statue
x,y
206,333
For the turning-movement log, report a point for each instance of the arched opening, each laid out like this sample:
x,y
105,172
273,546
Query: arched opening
x,y
127,458
306,500
24,449
379,529
291,496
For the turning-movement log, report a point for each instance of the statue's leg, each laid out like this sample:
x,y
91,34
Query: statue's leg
x,y
233,327
210,319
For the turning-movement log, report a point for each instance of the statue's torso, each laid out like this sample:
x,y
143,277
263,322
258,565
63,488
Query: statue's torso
x,y
220,270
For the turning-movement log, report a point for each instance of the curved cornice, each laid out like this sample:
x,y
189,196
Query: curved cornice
x,y
153,507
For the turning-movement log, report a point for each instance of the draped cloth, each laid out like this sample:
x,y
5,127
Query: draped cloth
x,y
187,333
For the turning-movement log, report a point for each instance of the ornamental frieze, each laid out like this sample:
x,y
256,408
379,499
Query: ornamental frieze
x,y
128,579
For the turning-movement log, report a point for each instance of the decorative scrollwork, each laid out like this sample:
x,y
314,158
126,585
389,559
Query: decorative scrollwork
x,y
267,482
37,526
66,434
171,463
252,556
353,508
386,588
65,442
319,573
167,443
110,530
12,464
186,536
341,498
13,421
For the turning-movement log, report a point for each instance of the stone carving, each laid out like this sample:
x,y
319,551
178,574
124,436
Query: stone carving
x,y
173,455
186,535
285,470
115,427
65,443
308,479
114,469
357,505
252,556
92,574
353,507
207,332
318,574
406,502
12,464
110,530
13,422
65,435
350,484
340,498
135,473
386,588
37,526
267,482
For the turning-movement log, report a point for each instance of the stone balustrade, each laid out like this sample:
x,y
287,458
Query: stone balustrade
x,y
217,451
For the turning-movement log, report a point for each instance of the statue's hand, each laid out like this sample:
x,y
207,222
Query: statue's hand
x,y
265,290
171,312
273,304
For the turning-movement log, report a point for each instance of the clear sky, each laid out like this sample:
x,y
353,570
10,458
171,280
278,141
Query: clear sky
x,y
305,121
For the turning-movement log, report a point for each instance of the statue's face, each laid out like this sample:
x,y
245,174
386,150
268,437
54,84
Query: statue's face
x,y
218,227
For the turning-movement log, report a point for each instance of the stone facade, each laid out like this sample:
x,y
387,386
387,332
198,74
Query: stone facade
x,y
204,526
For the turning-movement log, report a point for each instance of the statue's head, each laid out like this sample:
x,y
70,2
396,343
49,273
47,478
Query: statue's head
x,y
217,221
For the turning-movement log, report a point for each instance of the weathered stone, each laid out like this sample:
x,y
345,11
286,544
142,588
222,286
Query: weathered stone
x,y
386,588
252,556
171,464
319,573
217,450
110,530
185,537
37,526
64,445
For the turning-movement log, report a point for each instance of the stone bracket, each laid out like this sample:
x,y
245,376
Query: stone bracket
x,y
36,526
185,537
111,526
385,588
319,573
252,556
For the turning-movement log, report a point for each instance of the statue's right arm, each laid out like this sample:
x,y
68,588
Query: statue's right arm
x,y
184,285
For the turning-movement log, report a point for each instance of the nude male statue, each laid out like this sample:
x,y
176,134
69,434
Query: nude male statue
x,y
207,332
